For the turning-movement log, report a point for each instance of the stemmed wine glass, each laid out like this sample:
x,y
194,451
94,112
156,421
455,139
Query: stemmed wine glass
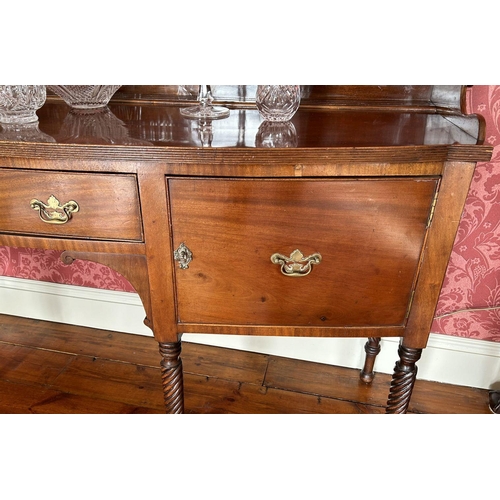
x,y
204,109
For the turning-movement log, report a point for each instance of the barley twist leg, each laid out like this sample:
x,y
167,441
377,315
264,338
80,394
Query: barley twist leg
x,y
372,348
403,380
171,375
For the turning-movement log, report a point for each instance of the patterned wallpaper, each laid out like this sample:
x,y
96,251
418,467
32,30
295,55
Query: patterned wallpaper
x,y
46,265
469,305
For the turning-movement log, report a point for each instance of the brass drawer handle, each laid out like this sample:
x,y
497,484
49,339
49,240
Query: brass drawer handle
x,y
53,212
296,264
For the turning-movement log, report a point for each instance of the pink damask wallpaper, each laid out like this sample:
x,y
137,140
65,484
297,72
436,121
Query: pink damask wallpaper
x,y
469,305
46,265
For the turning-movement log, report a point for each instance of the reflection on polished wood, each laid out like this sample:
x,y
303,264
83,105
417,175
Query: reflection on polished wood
x,y
162,125
373,179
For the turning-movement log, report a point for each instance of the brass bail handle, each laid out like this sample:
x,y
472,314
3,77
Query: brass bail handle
x,y
53,212
296,264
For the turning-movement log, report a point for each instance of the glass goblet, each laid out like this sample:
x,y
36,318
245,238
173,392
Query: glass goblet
x,y
205,109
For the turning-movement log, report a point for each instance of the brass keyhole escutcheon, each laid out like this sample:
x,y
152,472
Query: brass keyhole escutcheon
x,y
183,256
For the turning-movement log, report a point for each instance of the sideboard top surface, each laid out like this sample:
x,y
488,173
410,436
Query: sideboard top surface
x,y
154,128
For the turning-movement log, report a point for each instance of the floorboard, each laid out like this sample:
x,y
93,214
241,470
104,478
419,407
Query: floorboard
x,y
57,369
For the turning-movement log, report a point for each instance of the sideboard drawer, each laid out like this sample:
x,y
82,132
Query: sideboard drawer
x,y
368,233
76,205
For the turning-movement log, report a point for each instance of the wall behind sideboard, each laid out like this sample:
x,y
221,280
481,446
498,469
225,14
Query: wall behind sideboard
x,y
469,305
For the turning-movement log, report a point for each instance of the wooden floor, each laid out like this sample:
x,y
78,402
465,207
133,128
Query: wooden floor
x,y
54,368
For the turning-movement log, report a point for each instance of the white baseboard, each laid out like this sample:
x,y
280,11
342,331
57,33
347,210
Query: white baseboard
x,y
453,360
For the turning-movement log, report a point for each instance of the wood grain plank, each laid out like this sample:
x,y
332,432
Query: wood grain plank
x,y
326,380
79,340
437,398
135,384
24,398
113,381
228,364
79,370
20,397
344,383
22,364
199,359
64,403
209,395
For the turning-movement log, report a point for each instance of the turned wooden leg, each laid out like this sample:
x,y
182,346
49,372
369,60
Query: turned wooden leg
x,y
372,348
171,375
403,380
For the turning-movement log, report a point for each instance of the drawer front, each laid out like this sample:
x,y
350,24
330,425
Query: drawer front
x,y
368,233
76,205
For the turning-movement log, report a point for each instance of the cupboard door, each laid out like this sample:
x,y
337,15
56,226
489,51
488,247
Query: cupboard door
x,y
368,233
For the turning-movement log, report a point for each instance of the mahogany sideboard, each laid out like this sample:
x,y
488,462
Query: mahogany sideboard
x,y
339,223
